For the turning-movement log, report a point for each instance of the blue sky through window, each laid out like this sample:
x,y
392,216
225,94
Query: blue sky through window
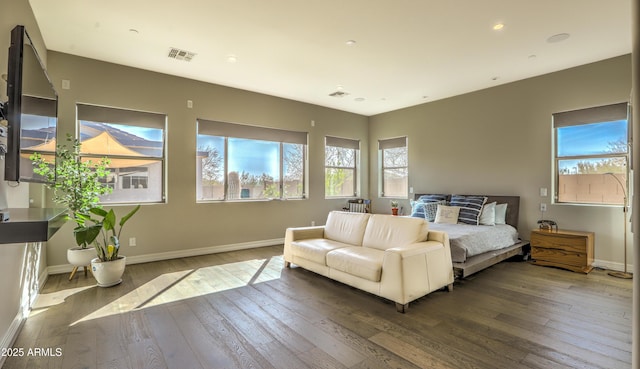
x,y
588,139
252,156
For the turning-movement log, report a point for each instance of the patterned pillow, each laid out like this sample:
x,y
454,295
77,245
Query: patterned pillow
x,y
431,208
470,208
432,198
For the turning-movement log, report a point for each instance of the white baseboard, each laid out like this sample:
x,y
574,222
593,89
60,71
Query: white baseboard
x,y
12,333
66,268
42,278
610,265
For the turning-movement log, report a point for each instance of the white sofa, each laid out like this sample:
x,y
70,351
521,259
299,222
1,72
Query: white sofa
x,y
397,258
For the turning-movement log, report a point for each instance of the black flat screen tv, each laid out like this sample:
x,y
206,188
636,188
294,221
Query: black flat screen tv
x,y
32,109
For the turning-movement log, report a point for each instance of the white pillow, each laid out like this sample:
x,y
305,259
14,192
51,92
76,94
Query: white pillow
x,y
488,215
447,214
501,213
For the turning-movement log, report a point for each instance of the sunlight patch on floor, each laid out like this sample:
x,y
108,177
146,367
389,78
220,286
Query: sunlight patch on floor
x,y
45,300
177,286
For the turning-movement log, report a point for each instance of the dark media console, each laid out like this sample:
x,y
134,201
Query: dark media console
x,y
30,225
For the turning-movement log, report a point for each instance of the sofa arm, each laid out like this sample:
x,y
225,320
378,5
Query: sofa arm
x,y
303,233
299,233
442,237
413,270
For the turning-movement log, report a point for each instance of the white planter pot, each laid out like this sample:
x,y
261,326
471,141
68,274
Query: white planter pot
x,y
108,273
78,256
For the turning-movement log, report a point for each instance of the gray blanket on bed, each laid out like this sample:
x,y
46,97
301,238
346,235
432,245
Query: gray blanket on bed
x,y
469,240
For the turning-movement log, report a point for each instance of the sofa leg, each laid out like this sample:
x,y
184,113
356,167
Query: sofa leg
x,y
287,264
450,287
402,308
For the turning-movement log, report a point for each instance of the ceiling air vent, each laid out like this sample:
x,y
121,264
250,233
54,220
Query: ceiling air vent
x,y
181,54
339,93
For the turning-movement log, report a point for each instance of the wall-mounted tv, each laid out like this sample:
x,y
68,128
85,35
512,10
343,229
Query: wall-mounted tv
x,y
32,109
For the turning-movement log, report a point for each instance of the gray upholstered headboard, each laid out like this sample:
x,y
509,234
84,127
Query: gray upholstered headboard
x,y
513,206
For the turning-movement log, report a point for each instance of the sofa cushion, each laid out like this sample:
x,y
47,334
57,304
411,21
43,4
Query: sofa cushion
x,y
315,249
346,227
358,261
386,231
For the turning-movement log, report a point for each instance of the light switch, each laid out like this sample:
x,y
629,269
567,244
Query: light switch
x,y
543,191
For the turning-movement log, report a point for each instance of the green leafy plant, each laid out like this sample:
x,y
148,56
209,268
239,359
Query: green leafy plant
x,y
106,226
75,182
394,204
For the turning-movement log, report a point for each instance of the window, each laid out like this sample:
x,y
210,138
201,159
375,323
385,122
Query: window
x,y
341,159
394,171
241,162
591,155
134,143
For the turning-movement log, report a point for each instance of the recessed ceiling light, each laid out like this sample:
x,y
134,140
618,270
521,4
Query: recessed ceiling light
x,y
232,59
133,30
359,99
495,78
350,42
498,26
558,38
532,57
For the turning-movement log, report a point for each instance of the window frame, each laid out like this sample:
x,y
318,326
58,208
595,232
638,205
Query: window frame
x,y
349,144
126,117
390,143
226,130
599,114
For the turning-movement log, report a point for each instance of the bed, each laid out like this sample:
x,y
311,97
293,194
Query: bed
x,y
476,247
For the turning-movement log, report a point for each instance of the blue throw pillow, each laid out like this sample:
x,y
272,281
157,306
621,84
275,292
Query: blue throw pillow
x,y
417,209
432,198
470,208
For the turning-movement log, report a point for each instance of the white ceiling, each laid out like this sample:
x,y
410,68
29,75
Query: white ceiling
x,y
407,52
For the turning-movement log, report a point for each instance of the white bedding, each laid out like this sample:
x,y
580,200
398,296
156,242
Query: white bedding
x,y
469,240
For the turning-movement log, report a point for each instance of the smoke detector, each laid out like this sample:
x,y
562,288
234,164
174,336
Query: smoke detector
x,y
339,93
175,53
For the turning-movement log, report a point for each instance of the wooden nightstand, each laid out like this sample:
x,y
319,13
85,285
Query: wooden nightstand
x,y
571,250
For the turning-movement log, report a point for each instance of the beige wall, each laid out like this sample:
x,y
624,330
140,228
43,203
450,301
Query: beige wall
x,y
181,223
494,141
498,141
20,264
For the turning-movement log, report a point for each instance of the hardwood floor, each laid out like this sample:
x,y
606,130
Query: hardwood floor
x,y
242,310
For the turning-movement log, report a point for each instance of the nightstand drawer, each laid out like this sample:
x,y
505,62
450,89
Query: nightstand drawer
x,y
577,244
559,256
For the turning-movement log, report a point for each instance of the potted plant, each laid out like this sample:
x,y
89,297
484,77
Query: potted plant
x,y
104,234
394,207
76,185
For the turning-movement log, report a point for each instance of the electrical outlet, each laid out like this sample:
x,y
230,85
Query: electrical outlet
x,y
543,206
313,223
132,241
